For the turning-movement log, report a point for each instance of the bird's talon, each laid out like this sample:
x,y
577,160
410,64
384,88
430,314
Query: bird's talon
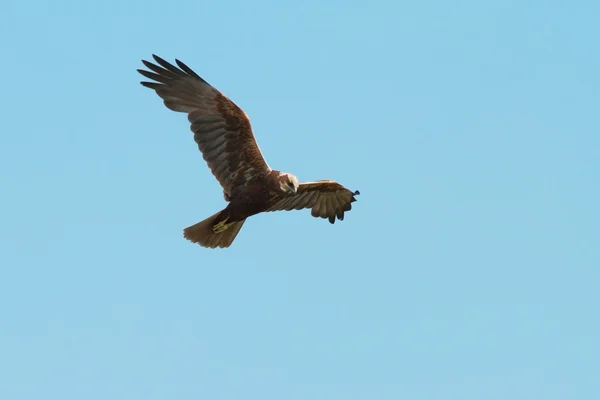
x,y
221,226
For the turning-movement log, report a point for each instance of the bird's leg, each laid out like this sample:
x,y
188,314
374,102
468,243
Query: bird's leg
x,y
221,226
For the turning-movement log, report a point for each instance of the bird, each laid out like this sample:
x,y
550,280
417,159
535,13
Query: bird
x,y
226,140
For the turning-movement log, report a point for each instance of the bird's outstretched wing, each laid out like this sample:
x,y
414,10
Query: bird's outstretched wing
x,y
221,129
327,199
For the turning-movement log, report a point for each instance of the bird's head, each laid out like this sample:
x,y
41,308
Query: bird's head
x,y
288,183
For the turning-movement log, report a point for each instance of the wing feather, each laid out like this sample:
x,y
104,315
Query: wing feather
x,y
326,199
221,129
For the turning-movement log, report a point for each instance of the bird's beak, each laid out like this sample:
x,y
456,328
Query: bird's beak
x,y
292,189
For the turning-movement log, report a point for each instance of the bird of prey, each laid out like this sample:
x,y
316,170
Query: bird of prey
x,y
224,136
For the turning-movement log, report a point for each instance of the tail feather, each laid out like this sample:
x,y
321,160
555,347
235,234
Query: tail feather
x,y
203,234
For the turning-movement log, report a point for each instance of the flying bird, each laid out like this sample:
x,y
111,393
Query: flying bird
x,y
224,136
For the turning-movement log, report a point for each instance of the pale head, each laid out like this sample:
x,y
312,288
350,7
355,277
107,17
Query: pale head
x,y
288,183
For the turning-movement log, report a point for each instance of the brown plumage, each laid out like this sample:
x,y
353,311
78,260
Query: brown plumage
x,y
224,136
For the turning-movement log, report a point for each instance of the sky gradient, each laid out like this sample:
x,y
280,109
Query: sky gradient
x,y
467,269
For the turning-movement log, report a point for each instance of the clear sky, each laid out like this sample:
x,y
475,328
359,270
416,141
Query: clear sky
x,y
468,269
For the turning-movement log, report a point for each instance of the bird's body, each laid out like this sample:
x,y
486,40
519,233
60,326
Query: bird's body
x,y
224,136
252,199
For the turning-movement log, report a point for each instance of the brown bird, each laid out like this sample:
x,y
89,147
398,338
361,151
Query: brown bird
x,y
224,136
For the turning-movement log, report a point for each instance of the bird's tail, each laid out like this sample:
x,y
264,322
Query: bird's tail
x,y
213,231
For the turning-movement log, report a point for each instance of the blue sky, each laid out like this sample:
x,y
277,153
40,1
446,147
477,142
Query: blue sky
x,y
468,268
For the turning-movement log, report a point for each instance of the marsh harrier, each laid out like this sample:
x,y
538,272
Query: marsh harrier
x,y
224,136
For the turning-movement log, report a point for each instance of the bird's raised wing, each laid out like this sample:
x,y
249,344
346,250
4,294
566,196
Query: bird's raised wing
x,y
221,129
327,199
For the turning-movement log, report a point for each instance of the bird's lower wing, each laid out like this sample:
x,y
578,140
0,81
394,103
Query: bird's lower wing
x,y
326,199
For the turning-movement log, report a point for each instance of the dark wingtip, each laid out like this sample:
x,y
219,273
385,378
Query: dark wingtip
x,y
188,70
148,64
157,58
